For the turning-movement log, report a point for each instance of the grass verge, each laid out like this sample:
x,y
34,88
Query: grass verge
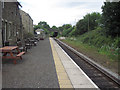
x,y
101,56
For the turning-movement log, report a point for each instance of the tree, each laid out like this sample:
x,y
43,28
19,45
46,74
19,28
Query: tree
x,y
81,27
66,33
88,23
111,18
60,28
42,25
54,28
72,33
67,28
92,20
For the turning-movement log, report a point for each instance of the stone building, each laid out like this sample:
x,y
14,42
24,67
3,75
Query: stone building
x,y
11,22
27,23
0,23
0,44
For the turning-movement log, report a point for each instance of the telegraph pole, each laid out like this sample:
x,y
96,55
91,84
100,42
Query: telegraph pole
x,y
89,26
88,23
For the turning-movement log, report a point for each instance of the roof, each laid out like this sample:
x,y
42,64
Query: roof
x,y
39,30
19,4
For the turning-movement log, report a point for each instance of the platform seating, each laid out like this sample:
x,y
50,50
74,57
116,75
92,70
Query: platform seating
x,y
36,38
33,41
21,46
20,54
27,43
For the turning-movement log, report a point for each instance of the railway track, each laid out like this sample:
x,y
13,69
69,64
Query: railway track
x,y
98,75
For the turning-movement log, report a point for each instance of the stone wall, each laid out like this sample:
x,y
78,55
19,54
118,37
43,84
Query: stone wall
x,y
0,23
11,22
0,45
27,23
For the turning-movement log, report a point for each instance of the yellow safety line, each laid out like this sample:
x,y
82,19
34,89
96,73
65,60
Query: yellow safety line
x,y
63,78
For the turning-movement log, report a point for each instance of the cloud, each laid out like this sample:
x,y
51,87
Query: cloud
x,y
59,12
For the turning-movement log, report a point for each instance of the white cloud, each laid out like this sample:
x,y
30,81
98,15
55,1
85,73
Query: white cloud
x,y
59,12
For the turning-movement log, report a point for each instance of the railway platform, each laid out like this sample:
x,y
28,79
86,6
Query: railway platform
x,y
46,65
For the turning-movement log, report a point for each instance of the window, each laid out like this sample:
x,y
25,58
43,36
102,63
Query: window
x,y
9,31
15,30
5,31
2,3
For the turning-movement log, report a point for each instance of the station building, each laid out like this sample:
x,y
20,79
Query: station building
x,y
27,23
11,22
15,23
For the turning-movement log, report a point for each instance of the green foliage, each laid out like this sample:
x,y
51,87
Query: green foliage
x,y
52,33
67,26
66,29
112,52
81,27
66,32
28,35
96,39
111,18
54,28
72,33
88,23
60,28
94,20
42,25
36,27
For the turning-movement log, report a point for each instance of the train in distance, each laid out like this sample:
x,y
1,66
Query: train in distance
x,y
55,34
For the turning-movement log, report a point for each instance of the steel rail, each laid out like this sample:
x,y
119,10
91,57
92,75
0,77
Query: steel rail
x,y
114,77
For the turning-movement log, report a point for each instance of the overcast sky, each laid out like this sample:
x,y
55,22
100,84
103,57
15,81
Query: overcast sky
x,y
59,12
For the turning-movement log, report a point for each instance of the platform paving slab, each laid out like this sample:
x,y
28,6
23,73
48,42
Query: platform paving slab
x,y
63,79
77,77
36,70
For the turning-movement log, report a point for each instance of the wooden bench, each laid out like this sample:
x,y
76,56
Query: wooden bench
x,y
33,42
36,38
20,54
8,53
21,46
27,43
